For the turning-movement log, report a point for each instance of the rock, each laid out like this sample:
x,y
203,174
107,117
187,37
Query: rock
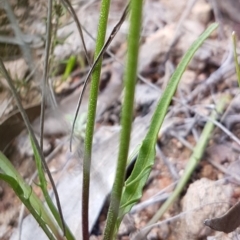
x,y
201,12
205,196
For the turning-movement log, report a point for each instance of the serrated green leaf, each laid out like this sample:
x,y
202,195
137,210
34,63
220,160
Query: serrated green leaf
x,y
132,191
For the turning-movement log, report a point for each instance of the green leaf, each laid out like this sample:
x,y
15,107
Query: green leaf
x,y
27,196
13,183
70,65
41,175
132,191
43,185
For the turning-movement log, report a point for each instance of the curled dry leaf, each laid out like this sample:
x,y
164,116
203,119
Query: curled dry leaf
x,y
228,222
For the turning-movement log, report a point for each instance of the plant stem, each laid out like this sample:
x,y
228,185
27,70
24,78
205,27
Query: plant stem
x,y
91,117
127,114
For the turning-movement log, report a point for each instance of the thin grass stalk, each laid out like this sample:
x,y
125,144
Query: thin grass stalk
x,y
58,12
127,116
102,27
45,71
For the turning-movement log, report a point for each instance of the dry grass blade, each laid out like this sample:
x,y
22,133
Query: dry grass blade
x,y
46,69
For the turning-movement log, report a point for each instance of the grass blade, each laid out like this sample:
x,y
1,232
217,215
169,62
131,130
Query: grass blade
x,y
43,184
193,161
27,197
133,187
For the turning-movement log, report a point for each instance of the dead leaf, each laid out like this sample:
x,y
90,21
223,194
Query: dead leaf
x,y
228,222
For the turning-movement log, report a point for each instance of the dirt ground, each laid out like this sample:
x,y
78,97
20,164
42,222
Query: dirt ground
x,y
169,28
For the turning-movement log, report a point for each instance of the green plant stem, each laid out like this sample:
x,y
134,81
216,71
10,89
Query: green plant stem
x,y
193,161
102,27
127,115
